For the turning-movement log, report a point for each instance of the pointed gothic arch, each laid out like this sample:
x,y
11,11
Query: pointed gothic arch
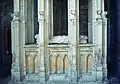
x,y
35,64
89,63
65,64
82,66
52,64
28,63
58,64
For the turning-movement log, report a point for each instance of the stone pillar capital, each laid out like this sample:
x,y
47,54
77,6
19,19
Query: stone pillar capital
x,y
41,13
41,17
16,16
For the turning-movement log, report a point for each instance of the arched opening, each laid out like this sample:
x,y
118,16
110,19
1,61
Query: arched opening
x,y
51,64
36,64
28,64
65,64
58,64
82,66
89,64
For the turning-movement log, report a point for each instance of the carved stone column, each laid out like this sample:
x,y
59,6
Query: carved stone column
x,y
22,39
98,31
97,37
104,47
30,21
72,34
18,40
104,43
94,14
46,37
15,25
43,37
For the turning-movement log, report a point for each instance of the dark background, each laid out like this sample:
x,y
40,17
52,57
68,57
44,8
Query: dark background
x,y
6,8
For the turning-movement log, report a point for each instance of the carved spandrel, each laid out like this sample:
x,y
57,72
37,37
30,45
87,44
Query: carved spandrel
x,y
56,51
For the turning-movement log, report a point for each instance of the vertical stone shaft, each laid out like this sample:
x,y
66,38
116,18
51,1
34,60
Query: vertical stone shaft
x,y
104,46
22,39
72,34
41,20
15,25
43,13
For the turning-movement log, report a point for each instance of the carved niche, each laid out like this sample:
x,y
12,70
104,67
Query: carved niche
x,y
35,64
89,63
28,64
31,62
82,64
65,64
52,64
58,64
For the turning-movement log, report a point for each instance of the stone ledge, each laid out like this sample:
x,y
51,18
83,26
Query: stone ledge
x,y
59,82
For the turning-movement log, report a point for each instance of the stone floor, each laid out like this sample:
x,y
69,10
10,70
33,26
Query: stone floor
x,y
60,82
5,81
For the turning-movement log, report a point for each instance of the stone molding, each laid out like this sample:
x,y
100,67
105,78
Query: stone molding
x,y
16,16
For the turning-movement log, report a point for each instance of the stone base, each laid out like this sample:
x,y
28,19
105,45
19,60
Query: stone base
x,y
89,78
56,77
13,81
57,82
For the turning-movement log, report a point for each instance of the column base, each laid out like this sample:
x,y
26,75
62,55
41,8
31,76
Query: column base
x,y
74,77
42,77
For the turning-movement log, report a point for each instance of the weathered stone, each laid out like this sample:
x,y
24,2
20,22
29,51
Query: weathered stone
x,y
72,63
